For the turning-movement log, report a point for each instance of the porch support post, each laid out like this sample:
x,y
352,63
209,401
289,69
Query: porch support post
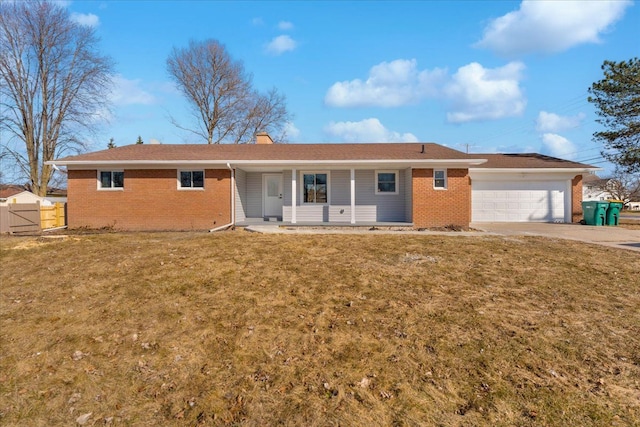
x,y
294,195
353,196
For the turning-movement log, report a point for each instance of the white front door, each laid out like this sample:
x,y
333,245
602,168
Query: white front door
x,y
272,194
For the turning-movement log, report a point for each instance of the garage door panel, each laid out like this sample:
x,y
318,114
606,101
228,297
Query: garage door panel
x,y
529,201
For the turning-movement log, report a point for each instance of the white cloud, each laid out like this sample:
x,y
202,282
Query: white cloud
x,y
558,146
551,122
281,44
127,92
291,131
367,130
472,93
551,26
390,84
285,25
102,116
85,19
165,87
478,93
257,21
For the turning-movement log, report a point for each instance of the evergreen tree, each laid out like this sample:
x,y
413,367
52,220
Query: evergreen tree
x,y
617,99
139,140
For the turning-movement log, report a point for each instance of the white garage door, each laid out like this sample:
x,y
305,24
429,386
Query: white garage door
x,y
529,201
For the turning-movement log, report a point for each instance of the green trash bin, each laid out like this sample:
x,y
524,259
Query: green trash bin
x,y
613,211
594,212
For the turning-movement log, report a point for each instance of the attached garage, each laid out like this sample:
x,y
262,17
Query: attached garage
x,y
526,187
520,201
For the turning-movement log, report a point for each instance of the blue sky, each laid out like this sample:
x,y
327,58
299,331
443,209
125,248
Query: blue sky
x,y
479,75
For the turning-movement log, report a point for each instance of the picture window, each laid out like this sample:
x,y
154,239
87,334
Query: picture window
x,y
315,188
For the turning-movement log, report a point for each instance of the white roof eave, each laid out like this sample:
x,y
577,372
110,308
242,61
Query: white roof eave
x,y
77,164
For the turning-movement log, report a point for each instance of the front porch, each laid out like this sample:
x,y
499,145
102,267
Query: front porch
x,y
322,197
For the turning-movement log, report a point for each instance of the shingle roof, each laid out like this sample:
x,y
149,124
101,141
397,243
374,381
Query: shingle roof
x,y
593,180
8,190
418,152
525,161
249,152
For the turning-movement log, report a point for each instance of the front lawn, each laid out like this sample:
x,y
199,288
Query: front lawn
x,y
239,328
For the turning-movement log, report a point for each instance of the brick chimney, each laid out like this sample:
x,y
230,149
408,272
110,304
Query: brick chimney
x,y
263,138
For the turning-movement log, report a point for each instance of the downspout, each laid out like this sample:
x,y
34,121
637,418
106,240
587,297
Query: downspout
x,y
233,203
233,194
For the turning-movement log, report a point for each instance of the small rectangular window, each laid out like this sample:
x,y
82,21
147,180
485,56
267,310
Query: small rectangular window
x,y
440,179
315,188
386,182
111,179
191,179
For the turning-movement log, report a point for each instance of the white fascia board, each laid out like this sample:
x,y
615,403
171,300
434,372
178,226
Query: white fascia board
x,y
147,164
167,164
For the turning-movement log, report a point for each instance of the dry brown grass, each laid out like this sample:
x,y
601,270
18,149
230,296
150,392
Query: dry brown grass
x,y
246,329
629,224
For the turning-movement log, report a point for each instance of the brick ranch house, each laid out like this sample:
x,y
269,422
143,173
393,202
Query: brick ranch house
x,y
200,187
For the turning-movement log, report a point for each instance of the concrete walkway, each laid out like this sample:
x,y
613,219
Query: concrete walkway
x,y
616,237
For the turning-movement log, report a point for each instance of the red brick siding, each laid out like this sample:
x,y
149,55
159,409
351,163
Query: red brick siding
x,y
150,201
576,198
439,208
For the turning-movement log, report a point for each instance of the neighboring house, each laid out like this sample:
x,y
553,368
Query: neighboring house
x,y
8,190
594,188
57,195
423,185
10,195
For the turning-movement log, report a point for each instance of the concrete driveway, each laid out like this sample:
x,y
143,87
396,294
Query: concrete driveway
x,y
617,237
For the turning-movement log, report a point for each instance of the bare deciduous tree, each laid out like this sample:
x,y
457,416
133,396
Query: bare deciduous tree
x,y
53,82
621,185
219,91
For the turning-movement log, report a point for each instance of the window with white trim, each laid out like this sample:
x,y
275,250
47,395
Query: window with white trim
x,y
110,180
191,179
315,187
440,179
386,182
